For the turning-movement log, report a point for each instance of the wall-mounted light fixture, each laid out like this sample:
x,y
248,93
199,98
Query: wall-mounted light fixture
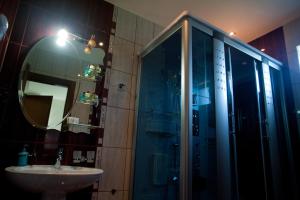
x,y
63,36
231,34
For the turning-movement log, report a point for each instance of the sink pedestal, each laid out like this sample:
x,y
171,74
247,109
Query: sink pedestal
x,y
54,196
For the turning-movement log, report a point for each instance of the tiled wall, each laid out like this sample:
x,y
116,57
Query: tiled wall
x,y
35,19
30,21
130,35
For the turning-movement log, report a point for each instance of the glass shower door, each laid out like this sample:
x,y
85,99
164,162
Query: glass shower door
x,y
245,117
204,154
157,153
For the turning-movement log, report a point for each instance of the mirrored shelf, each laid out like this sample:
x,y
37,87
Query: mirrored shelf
x,y
83,78
89,126
91,103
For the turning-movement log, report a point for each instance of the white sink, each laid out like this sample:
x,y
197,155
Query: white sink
x,y
52,182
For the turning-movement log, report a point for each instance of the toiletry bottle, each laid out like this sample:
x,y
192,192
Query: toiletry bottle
x,y
23,157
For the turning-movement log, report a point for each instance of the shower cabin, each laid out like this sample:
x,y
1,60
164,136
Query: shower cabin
x,y
211,121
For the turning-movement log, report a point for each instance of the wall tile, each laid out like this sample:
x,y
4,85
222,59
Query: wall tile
x,y
113,164
20,24
126,25
144,31
82,111
157,30
133,92
122,55
137,51
119,97
127,170
126,195
116,126
109,196
98,157
131,129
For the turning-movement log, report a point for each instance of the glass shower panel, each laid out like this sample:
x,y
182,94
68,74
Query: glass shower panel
x,y
157,152
284,167
204,164
245,107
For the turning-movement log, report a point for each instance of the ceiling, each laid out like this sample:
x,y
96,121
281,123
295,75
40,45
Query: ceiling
x,y
248,18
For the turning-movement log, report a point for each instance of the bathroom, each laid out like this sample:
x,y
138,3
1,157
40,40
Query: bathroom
x,y
111,141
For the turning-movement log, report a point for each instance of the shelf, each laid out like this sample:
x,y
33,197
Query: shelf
x,y
86,125
89,103
90,79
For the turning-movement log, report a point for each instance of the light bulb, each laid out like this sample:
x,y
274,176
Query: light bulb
x,y
92,43
232,34
60,42
62,36
87,50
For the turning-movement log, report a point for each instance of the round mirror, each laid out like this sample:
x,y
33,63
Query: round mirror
x,y
53,78
3,25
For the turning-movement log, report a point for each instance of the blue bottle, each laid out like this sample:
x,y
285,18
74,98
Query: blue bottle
x,y
23,157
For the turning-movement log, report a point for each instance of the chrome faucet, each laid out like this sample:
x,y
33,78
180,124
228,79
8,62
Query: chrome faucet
x,y
59,158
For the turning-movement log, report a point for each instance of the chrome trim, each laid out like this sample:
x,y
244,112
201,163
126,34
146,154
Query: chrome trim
x,y
165,34
222,126
205,26
271,133
261,121
201,27
242,49
186,112
275,66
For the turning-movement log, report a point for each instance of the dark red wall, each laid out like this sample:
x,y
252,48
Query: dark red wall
x,y
274,43
31,20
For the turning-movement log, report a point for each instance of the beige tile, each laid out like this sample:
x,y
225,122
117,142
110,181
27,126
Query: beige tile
x,y
137,51
122,55
98,157
82,111
113,164
157,30
109,196
116,126
126,25
125,195
131,129
119,97
133,92
111,43
144,31
115,14
127,170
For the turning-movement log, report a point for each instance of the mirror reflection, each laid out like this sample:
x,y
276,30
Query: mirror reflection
x,y
58,79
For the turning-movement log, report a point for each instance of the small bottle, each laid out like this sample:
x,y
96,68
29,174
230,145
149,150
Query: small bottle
x,y
23,157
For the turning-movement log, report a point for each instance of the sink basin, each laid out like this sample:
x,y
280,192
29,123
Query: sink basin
x,y
52,182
